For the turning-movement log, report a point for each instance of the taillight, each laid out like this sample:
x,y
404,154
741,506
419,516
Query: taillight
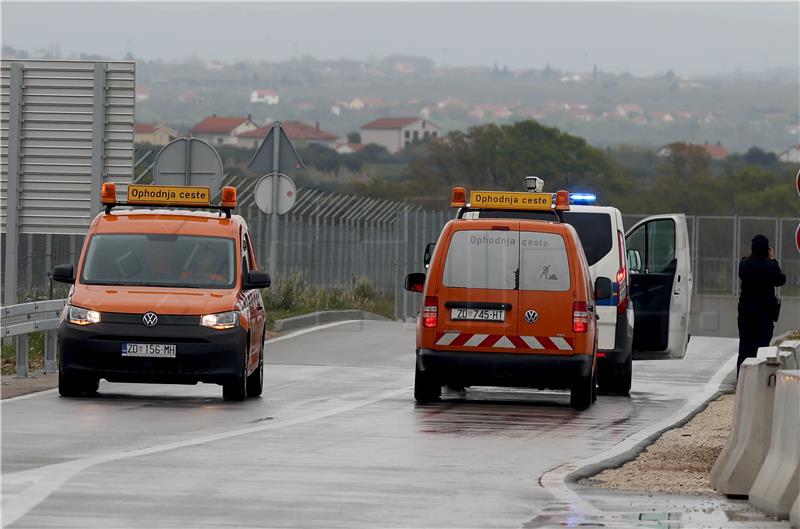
x,y
580,316
622,279
430,312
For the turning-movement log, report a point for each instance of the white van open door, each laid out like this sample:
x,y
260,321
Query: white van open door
x,y
661,285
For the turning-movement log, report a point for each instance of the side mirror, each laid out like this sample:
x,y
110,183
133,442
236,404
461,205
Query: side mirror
x,y
428,254
602,288
256,280
634,261
415,282
64,273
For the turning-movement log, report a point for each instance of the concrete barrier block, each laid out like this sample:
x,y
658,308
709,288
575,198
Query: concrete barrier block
x,y
767,352
794,516
748,442
791,348
777,484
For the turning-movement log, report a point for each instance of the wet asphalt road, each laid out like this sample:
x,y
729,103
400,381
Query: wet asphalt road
x,y
336,441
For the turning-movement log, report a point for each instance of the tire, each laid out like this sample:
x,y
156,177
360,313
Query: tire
x,y
582,394
76,385
426,388
255,382
236,388
617,382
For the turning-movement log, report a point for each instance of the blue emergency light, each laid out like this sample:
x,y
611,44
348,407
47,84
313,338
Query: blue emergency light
x,y
582,198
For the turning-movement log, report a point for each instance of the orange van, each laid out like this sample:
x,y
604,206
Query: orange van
x,y
508,303
164,295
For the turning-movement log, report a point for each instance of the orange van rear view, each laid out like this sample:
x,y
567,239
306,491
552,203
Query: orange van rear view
x,y
507,303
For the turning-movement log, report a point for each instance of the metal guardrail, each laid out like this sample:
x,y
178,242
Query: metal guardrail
x,y
20,320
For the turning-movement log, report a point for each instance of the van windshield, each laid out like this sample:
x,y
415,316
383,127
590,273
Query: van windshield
x,y
160,260
507,260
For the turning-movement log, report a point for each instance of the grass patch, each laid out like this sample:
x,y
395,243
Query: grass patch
x,y
293,296
8,356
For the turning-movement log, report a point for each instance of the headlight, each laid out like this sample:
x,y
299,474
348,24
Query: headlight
x,y
221,321
80,316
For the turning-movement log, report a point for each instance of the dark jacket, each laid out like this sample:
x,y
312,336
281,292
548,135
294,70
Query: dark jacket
x,y
759,278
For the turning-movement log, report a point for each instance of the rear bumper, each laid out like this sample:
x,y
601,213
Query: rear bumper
x,y
504,369
202,354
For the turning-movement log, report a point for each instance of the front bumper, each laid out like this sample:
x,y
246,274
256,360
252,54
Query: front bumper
x,y
202,354
458,368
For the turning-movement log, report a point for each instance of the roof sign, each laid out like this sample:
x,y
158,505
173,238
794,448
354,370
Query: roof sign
x,y
169,195
511,200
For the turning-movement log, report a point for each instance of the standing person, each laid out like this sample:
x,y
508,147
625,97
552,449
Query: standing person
x,y
758,306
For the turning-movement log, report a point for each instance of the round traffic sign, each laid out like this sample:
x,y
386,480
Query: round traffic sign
x,y
797,183
797,237
188,162
287,193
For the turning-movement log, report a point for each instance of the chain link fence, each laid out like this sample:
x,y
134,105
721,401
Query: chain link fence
x,y
334,239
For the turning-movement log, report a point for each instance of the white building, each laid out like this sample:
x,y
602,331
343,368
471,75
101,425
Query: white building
x,y
264,95
220,130
791,155
397,133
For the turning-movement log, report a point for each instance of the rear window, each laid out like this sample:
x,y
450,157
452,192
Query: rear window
x,y
543,262
595,232
507,261
482,259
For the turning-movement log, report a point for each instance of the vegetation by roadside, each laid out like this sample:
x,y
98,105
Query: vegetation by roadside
x,y
680,460
292,295
35,354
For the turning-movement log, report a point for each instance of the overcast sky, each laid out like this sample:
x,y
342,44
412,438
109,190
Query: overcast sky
x,y
642,38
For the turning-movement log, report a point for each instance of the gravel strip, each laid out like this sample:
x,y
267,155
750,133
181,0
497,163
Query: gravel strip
x,y
680,460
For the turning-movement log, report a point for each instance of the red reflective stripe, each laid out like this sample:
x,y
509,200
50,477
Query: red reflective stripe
x,y
490,340
546,343
518,342
461,340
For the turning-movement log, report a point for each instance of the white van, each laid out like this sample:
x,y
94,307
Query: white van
x,y
649,268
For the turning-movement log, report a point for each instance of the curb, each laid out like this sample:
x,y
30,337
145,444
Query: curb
x,y
322,317
632,453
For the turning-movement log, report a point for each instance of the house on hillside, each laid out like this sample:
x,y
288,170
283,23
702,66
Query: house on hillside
x,y
264,95
791,155
222,130
142,93
191,96
715,151
397,133
360,103
301,134
153,133
347,148
628,110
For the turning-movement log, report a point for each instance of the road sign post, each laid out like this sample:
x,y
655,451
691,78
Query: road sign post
x,y
276,153
276,167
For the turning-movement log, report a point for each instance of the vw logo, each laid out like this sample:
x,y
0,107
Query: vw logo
x,y
150,319
531,316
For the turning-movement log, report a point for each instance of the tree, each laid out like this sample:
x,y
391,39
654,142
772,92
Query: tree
x,y
354,137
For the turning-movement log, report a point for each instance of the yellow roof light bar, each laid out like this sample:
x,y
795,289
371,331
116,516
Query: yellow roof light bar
x,y
512,200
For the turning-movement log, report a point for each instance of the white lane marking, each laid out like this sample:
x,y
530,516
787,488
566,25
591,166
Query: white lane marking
x,y
554,481
301,332
560,342
447,338
532,342
270,341
504,343
476,340
52,477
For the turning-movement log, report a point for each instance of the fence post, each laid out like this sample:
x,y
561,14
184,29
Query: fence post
x,y
50,351
737,233
22,356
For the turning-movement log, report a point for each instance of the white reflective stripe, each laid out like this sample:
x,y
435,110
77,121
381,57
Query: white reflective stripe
x,y
447,338
475,340
532,342
560,342
504,342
